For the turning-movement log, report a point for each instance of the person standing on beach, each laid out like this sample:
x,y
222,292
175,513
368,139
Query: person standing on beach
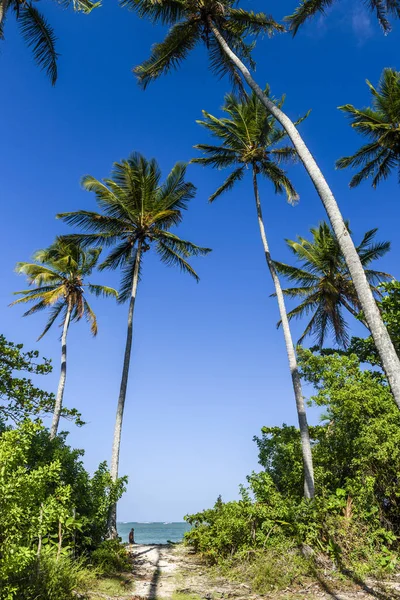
x,y
132,536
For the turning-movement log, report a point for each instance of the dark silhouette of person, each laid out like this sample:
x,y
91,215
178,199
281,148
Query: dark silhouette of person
x,y
132,536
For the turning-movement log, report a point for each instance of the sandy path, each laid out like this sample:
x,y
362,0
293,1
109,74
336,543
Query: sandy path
x,y
154,569
160,571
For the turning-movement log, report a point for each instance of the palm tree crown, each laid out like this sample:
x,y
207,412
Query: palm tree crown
x,y
59,279
37,32
248,136
381,124
309,8
324,283
191,23
137,209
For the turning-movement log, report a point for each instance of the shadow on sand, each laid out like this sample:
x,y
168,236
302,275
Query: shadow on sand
x,y
155,579
380,594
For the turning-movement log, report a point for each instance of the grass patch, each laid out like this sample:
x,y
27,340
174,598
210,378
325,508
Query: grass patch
x,y
184,596
267,571
114,586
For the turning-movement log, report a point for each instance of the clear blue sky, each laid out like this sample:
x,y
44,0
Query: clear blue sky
x,y
208,366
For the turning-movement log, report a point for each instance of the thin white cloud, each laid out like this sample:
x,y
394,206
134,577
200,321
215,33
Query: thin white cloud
x,y
361,24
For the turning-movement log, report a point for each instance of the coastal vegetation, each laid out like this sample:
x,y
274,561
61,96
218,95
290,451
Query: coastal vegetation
x,y
352,526
325,498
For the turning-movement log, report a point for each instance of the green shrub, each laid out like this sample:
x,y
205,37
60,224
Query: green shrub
x,y
111,557
269,570
48,578
354,520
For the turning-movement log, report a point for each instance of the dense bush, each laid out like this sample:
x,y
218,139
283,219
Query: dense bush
x,y
49,577
354,520
20,397
49,505
110,557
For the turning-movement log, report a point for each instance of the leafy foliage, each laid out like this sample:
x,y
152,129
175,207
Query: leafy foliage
x,y
389,306
380,124
49,508
190,23
19,397
354,519
309,8
324,283
248,136
110,557
38,33
59,276
137,208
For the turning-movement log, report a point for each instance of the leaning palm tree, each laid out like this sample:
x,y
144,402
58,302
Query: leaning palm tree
x,y
249,140
309,8
224,29
381,125
59,275
323,282
37,32
137,214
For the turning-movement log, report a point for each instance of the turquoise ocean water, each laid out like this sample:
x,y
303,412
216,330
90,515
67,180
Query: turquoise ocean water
x,y
153,533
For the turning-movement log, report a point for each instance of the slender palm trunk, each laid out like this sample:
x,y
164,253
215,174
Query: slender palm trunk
x,y
298,394
63,374
383,343
112,522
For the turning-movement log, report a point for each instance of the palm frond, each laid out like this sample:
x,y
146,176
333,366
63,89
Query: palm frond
x,y
222,66
306,10
39,36
242,22
278,177
90,317
216,156
166,12
127,273
180,246
286,154
102,290
171,258
37,274
54,313
118,255
228,184
92,221
167,55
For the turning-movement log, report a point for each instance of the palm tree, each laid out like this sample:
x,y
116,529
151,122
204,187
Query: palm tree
x,y
137,214
59,276
224,30
323,282
381,125
248,138
309,8
37,32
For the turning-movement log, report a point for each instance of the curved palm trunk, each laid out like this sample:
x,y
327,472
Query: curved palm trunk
x,y
298,394
63,375
112,522
383,343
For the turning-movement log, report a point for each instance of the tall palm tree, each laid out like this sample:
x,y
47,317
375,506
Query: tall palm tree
x,y
137,214
249,140
381,125
37,32
224,30
309,8
59,275
323,282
